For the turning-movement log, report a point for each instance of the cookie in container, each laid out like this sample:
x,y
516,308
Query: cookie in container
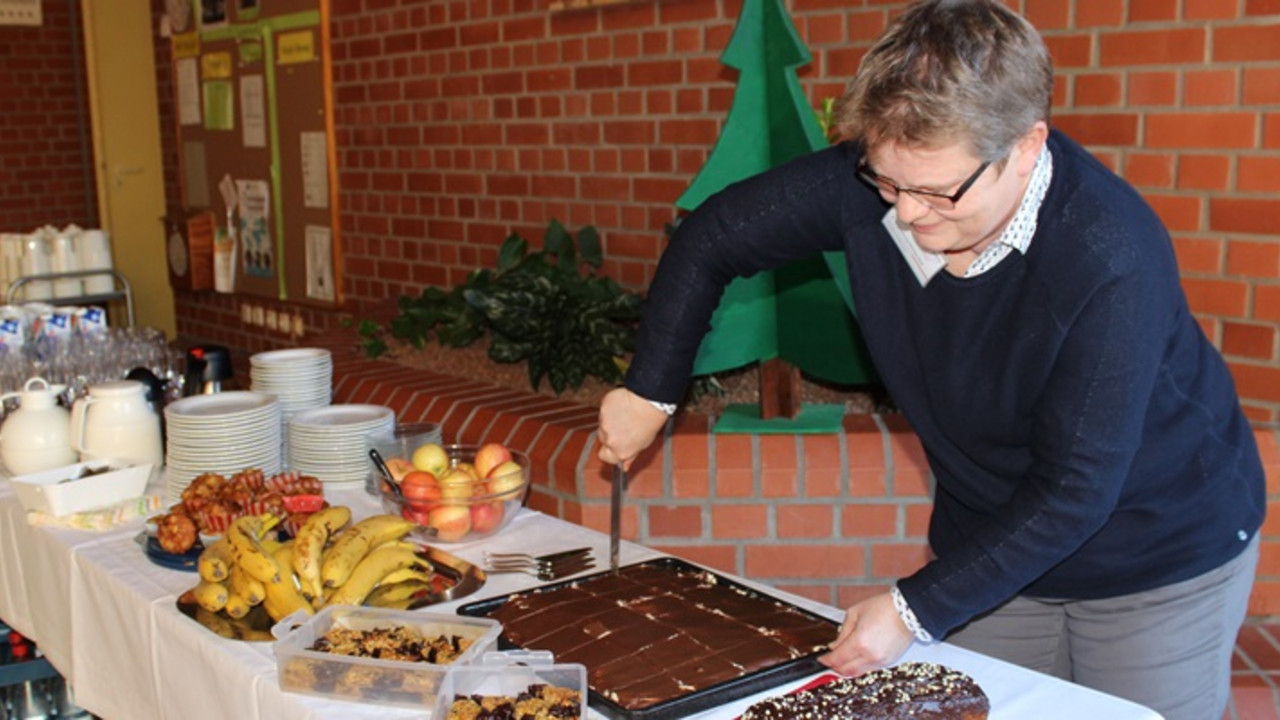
x,y
514,683
375,655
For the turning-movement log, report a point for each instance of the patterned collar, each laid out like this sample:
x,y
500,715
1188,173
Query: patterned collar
x,y
1016,236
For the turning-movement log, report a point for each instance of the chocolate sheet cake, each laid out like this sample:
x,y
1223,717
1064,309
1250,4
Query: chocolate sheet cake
x,y
916,690
650,633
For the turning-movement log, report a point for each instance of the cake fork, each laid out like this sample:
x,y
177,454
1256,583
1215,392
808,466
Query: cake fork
x,y
543,570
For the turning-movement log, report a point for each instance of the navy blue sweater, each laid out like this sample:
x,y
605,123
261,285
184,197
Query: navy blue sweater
x,y
1085,437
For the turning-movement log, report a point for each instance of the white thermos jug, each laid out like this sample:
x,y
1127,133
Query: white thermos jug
x,y
116,421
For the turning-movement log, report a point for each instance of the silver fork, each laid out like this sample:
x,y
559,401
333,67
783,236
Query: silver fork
x,y
544,570
526,557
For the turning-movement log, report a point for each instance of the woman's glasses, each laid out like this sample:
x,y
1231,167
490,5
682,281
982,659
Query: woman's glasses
x,y
939,201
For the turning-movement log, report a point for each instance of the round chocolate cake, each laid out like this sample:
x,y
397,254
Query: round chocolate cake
x,y
916,690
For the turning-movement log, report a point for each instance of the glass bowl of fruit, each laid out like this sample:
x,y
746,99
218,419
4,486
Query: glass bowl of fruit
x,y
459,493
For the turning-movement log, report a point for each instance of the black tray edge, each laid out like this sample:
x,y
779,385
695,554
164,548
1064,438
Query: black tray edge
x,y
705,699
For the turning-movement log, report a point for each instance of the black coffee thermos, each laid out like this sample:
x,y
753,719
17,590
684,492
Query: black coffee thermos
x,y
208,366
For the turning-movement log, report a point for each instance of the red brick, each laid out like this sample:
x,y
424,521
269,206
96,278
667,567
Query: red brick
x,y
1210,87
1192,130
1179,212
1199,255
1216,297
662,72
1258,173
1266,303
1099,12
1245,215
1210,9
1153,88
1152,10
1098,89
1271,131
1256,342
1152,47
1254,259
897,560
1204,172
675,521
1149,170
804,521
1243,43
803,561
1100,128
822,466
738,521
878,520
1047,14
1069,51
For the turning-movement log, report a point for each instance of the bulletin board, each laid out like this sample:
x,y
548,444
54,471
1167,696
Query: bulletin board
x,y
254,104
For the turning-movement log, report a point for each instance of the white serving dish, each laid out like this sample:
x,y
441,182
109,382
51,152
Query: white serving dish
x,y
54,492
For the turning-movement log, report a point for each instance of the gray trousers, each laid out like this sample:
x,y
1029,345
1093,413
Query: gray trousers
x,y
1169,648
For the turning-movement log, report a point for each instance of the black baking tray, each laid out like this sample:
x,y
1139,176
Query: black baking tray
x,y
700,700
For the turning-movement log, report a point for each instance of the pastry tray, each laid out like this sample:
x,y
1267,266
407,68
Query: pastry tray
x,y
699,700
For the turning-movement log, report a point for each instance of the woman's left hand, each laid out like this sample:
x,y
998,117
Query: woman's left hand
x,y
872,637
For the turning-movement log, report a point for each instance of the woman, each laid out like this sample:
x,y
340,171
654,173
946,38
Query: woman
x,y
1098,491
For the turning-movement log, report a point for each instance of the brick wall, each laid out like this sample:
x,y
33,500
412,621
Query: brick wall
x,y
46,151
460,121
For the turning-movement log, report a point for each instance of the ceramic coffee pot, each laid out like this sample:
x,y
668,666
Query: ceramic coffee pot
x,y
36,436
116,421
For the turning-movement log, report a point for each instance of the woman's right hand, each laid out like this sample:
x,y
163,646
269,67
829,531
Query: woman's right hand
x,y
628,425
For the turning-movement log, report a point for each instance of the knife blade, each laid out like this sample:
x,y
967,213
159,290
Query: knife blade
x,y
615,514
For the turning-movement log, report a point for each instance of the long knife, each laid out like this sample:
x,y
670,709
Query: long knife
x,y
615,514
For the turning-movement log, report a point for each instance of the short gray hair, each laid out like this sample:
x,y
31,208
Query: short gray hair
x,y
950,71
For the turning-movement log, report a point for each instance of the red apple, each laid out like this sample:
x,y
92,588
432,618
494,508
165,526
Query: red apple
x,y
457,484
432,458
490,456
452,522
506,478
416,515
421,490
399,467
486,517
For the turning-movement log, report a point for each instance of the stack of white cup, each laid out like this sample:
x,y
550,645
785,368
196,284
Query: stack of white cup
x,y
49,250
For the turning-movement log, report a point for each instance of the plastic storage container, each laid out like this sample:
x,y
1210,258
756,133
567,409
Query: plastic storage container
x,y
368,680
508,674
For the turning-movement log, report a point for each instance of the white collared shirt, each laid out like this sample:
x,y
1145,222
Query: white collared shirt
x,y
1016,236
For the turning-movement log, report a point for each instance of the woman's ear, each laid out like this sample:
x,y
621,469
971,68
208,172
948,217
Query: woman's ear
x,y
1029,146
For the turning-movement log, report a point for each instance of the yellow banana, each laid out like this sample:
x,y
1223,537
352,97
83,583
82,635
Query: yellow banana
x,y
215,562
374,567
247,549
237,606
283,598
391,595
247,587
354,543
211,596
417,573
309,546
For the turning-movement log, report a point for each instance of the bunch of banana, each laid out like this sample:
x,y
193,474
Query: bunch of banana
x,y
329,562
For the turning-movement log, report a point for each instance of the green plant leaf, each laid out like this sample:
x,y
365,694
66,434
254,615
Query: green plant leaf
x,y
555,238
512,253
589,246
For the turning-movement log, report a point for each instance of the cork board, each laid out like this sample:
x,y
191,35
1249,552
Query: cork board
x,y
254,99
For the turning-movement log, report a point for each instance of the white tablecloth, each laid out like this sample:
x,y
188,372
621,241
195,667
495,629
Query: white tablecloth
x,y
106,617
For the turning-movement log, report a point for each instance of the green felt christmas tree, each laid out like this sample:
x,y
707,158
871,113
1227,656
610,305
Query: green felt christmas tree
x,y
802,313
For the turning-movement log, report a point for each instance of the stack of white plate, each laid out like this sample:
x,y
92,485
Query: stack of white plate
x,y
301,378
222,433
332,443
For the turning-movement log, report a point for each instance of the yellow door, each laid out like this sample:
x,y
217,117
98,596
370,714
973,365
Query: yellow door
x,y
126,143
